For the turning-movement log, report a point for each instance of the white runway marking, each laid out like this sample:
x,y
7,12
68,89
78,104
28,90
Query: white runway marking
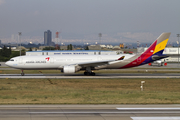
x,y
148,108
155,118
138,112
121,110
74,112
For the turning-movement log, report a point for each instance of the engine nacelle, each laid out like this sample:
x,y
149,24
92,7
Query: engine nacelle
x,y
69,69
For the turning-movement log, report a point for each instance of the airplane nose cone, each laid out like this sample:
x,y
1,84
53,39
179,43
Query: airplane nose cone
x,y
7,63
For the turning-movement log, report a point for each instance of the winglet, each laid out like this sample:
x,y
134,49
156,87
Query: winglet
x,y
121,58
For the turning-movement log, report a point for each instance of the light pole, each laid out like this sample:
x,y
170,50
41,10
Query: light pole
x,y
142,82
178,35
138,47
20,41
100,35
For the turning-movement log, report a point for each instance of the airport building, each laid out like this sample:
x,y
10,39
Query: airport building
x,y
72,52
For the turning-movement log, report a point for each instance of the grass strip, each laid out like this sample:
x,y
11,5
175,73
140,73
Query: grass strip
x,y
89,91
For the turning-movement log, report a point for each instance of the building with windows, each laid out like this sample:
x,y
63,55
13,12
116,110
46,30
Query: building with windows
x,y
47,37
71,52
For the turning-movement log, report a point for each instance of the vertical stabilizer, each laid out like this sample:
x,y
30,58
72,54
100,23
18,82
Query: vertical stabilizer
x,y
154,52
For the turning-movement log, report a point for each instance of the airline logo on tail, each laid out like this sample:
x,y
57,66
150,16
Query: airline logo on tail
x,y
154,52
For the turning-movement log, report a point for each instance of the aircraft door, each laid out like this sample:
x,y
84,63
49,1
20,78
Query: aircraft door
x,y
52,60
20,60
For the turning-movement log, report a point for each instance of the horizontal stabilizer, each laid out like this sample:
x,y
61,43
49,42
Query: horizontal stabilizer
x,y
156,57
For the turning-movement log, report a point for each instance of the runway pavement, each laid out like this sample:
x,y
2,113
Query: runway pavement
x,y
100,75
90,112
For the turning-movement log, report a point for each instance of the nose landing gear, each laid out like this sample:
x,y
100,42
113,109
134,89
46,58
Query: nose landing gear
x,y
22,73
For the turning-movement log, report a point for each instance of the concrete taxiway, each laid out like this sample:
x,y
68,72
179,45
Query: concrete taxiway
x,y
90,112
102,75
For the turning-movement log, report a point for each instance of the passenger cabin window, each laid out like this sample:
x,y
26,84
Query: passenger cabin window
x,y
46,53
42,53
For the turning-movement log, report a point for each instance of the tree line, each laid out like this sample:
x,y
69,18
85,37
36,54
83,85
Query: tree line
x,y
69,47
7,53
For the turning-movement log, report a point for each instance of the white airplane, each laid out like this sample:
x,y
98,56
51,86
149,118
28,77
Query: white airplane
x,y
75,63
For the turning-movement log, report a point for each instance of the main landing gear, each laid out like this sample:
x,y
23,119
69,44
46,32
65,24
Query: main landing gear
x,y
22,73
89,72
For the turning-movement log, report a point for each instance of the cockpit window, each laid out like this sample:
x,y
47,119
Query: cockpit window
x,y
11,60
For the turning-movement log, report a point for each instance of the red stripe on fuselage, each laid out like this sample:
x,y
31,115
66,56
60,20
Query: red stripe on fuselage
x,y
149,52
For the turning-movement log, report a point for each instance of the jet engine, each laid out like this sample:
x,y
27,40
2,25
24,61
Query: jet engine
x,y
69,69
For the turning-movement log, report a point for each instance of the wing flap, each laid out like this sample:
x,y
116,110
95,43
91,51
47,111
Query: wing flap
x,y
93,64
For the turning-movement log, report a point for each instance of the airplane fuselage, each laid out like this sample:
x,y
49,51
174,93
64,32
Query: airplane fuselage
x,y
59,61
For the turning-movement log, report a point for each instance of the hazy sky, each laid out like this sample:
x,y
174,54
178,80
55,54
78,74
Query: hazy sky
x,y
79,18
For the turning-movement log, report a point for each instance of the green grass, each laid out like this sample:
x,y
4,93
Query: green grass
x,y
89,91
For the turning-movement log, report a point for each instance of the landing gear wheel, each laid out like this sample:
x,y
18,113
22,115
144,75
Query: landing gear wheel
x,y
89,73
22,74
85,73
93,74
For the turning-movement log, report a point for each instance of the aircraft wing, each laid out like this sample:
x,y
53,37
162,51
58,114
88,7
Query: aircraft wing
x,y
93,64
98,63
